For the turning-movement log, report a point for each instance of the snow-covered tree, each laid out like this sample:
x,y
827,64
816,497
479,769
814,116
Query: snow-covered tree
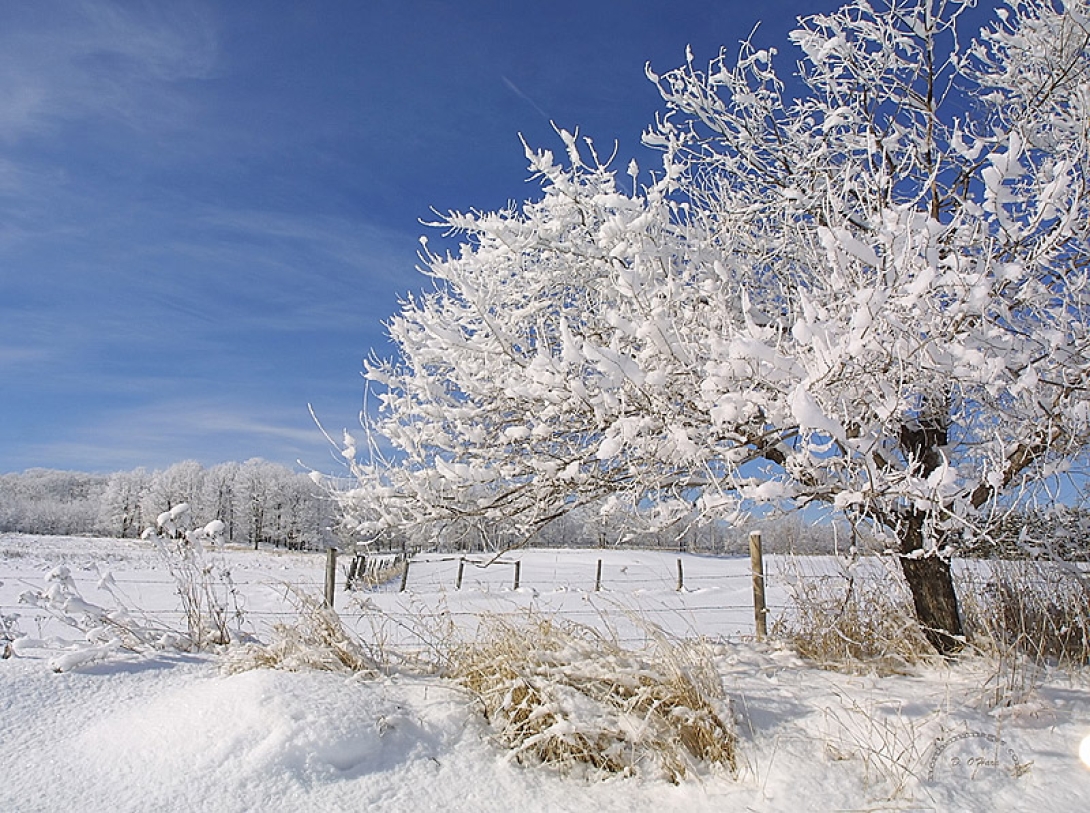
x,y
873,294
46,501
257,498
256,501
178,484
220,497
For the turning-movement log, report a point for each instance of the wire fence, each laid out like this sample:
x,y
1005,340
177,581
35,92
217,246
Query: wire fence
x,y
629,594
409,601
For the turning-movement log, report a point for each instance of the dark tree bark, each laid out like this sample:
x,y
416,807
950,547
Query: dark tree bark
x,y
932,586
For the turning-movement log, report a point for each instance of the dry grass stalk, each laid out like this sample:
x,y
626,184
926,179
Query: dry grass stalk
x,y
1026,615
562,695
886,742
203,582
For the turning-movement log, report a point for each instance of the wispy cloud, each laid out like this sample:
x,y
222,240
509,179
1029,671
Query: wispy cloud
x,y
162,432
347,242
323,272
63,61
15,357
208,207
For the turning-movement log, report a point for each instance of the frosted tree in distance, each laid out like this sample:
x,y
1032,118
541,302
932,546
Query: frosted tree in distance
x,y
874,295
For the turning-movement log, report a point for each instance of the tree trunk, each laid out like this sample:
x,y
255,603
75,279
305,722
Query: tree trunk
x,y
932,586
929,577
936,602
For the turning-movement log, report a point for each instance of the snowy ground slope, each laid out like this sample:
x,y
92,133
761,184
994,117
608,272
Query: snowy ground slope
x,y
172,732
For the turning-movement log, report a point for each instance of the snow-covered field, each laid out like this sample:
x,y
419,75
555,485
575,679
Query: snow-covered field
x,y
170,731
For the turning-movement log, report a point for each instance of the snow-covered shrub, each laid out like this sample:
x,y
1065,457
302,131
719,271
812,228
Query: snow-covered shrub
x,y
210,602
172,523
563,695
9,631
105,630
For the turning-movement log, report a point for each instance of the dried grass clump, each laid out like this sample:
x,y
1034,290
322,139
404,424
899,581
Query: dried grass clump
x,y
316,640
1038,610
854,624
563,695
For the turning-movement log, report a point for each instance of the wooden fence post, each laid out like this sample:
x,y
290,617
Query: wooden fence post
x,y
405,576
518,573
757,565
330,576
598,577
680,576
461,570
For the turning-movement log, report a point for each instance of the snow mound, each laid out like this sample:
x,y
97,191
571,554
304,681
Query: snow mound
x,y
247,727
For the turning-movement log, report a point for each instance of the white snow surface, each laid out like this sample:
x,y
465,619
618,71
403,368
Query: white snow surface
x,y
168,731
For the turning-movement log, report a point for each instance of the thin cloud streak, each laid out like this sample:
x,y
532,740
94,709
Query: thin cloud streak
x,y
15,357
518,92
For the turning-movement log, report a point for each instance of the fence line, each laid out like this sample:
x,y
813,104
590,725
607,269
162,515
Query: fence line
x,y
431,575
609,584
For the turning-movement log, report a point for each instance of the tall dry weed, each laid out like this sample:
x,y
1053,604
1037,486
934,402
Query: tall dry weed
x,y
1025,618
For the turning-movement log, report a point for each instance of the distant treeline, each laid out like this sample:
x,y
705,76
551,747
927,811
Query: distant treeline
x,y
258,501
263,503
1056,532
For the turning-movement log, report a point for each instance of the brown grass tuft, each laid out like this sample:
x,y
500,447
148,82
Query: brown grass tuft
x,y
563,695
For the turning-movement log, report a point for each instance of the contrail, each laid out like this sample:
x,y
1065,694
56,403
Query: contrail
x,y
518,92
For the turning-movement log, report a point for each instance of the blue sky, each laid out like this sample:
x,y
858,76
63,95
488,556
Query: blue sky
x,y
207,209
